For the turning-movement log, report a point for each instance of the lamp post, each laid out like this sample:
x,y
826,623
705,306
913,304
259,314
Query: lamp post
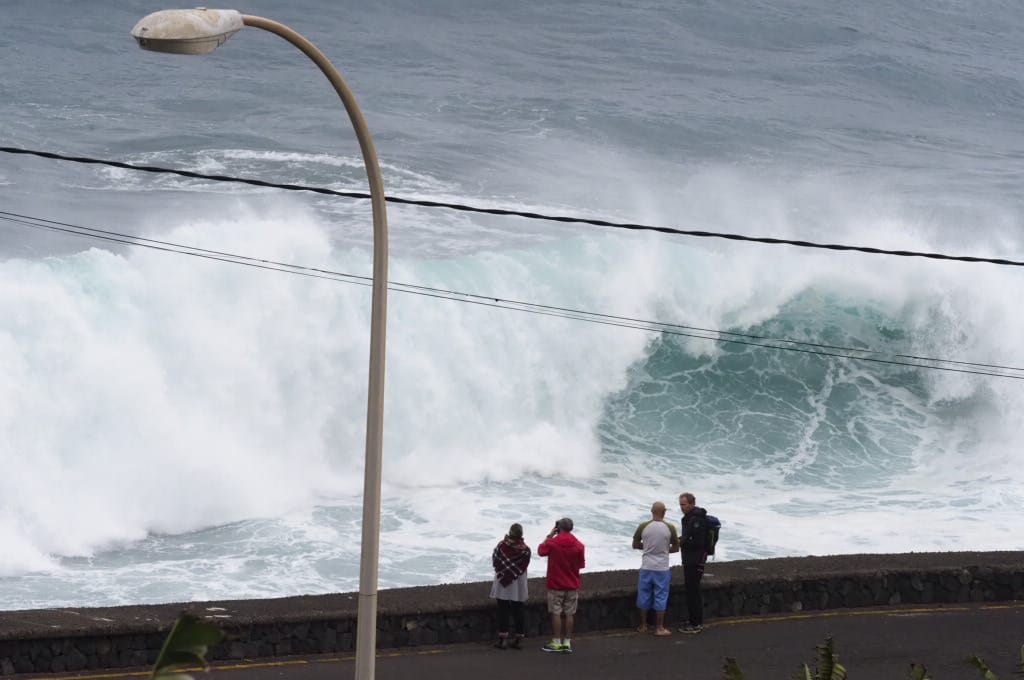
x,y
199,31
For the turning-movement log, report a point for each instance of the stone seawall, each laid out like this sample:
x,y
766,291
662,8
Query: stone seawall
x,y
60,640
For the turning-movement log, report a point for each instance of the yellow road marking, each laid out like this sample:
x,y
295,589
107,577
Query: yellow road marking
x,y
445,650
796,616
861,612
247,664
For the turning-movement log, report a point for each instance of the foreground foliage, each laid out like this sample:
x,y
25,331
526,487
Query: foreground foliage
x,y
829,668
185,648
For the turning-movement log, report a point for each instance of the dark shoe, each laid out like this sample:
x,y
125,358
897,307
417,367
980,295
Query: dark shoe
x,y
515,642
691,630
502,643
551,647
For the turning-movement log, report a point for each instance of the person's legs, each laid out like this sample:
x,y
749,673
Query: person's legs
x,y
698,597
644,597
556,626
661,581
694,602
642,628
569,609
519,618
690,585
503,615
519,623
556,605
503,609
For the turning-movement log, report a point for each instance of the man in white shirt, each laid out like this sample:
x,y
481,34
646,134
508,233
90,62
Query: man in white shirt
x,y
657,538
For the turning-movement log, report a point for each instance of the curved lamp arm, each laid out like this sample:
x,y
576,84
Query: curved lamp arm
x,y
366,624
199,31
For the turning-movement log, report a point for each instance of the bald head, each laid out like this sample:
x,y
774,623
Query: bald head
x,y
658,510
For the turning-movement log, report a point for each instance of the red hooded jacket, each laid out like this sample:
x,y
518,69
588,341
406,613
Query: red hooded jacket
x,y
566,557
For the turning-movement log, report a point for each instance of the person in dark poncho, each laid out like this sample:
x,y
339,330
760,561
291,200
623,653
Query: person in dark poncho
x,y
510,558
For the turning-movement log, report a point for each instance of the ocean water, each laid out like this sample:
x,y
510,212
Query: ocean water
x,y
174,428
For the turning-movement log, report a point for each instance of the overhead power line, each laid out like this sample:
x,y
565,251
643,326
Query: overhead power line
x,y
713,335
517,213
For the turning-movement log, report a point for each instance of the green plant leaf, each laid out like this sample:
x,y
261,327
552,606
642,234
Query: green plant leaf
x,y
826,658
184,647
982,667
918,672
732,669
829,667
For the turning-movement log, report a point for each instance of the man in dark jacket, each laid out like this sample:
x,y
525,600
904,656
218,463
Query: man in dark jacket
x,y
693,546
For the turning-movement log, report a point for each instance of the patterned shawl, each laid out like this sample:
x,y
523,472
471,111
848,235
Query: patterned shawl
x,y
510,559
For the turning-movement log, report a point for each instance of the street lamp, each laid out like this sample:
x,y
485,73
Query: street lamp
x,y
199,31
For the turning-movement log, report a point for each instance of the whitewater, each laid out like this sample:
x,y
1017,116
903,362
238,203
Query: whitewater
x,y
175,428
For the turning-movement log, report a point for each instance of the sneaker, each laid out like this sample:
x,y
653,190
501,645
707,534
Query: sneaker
x,y
566,649
691,630
552,647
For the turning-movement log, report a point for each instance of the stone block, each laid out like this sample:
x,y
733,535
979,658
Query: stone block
x,y
75,660
23,664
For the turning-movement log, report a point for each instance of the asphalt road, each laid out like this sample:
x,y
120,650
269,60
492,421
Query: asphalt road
x,y
875,644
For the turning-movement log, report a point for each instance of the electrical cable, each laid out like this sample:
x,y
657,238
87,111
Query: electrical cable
x,y
698,233
513,305
10,217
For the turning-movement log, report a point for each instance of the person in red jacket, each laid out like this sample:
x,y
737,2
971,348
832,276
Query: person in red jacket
x,y
565,556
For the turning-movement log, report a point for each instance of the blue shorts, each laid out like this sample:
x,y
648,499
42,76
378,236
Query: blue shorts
x,y
652,590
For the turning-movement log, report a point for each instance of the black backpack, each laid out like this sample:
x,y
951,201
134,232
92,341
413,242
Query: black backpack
x,y
712,525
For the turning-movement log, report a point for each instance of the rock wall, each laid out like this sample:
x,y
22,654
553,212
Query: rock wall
x,y
62,640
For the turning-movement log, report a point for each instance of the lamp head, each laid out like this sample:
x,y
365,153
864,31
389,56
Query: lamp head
x,y
187,31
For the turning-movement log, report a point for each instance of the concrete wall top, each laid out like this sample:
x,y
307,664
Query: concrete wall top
x,y
462,597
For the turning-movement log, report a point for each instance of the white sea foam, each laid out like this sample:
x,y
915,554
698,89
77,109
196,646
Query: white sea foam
x,y
152,395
